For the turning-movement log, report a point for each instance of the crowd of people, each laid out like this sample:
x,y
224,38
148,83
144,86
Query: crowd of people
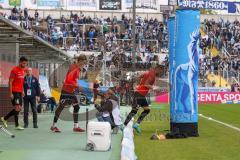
x,y
151,34
85,33
224,34
225,37
69,33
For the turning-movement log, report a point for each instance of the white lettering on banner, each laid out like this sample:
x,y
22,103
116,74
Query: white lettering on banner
x,y
213,5
200,4
225,96
218,5
218,97
194,5
237,97
208,98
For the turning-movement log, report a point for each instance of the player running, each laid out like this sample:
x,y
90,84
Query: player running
x,y
139,97
68,97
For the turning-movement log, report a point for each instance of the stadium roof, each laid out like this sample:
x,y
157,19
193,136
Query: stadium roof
x,y
30,45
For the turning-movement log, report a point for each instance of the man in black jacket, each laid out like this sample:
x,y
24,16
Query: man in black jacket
x,y
32,92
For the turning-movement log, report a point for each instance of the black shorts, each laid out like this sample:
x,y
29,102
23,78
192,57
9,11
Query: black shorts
x,y
139,100
68,98
17,98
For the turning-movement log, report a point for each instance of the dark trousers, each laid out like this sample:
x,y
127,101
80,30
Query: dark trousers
x,y
32,102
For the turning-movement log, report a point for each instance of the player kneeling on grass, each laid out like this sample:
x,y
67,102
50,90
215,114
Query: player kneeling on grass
x,y
147,81
108,110
68,96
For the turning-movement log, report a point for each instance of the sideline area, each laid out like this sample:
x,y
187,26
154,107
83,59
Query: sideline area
x,y
42,144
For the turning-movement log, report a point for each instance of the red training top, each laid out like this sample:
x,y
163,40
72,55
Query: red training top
x,y
17,74
148,76
70,83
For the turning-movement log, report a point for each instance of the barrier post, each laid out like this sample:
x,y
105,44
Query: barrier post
x,y
171,48
184,117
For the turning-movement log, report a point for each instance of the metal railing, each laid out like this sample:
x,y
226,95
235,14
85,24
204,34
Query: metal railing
x,y
225,52
84,42
83,28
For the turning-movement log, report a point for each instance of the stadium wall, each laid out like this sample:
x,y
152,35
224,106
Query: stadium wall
x,y
56,14
207,97
87,5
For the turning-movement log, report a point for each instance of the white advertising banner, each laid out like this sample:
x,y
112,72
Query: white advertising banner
x,y
89,5
30,4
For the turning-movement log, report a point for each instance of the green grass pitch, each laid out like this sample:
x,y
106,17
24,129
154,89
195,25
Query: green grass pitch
x,y
216,141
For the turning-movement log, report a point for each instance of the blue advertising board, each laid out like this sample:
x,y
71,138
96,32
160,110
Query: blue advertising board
x,y
230,6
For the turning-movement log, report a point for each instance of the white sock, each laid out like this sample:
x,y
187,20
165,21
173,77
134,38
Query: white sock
x,y
76,125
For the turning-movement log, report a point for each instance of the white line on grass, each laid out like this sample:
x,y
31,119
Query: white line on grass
x,y
225,124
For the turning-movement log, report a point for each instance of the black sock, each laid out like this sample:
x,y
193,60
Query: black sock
x,y
55,119
58,112
10,114
130,116
143,115
16,118
75,113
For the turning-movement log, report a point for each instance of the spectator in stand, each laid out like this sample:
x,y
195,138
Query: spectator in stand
x,y
15,10
55,37
25,13
13,17
36,15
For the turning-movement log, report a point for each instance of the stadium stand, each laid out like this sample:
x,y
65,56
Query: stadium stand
x,y
79,32
29,43
223,37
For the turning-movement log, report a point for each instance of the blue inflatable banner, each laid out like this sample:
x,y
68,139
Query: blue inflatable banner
x,y
171,26
186,69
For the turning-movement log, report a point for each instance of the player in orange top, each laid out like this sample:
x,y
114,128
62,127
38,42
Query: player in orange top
x,y
146,84
16,81
68,96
